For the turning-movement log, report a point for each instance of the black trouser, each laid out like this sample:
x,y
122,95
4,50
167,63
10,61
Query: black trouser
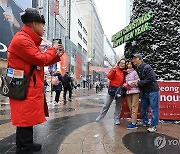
x,y
58,92
24,140
65,92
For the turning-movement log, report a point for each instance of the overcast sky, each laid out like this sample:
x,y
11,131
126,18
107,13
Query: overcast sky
x,y
113,17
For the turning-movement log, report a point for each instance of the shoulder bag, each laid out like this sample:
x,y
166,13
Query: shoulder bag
x,y
10,89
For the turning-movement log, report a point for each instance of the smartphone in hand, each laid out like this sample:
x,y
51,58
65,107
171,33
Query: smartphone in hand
x,y
59,41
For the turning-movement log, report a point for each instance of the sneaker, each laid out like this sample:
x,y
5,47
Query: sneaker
x,y
70,99
146,124
152,129
117,122
99,118
37,147
132,126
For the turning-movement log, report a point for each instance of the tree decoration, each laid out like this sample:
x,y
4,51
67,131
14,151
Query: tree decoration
x,y
160,46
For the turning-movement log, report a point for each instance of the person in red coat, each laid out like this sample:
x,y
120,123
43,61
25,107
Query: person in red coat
x,y
24,51
116,77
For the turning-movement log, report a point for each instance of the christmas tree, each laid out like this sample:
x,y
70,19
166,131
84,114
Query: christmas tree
x,y
160,46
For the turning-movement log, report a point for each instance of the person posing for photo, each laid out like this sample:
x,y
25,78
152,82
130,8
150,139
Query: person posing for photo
x,y
132,94
116,77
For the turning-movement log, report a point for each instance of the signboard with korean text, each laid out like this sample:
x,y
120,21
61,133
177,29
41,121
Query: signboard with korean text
x,y
169,102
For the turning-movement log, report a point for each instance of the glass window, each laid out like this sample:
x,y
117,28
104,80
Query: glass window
x,y
84,40
79,47
79,22
84,30
80,35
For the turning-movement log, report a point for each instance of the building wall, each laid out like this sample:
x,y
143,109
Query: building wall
x,y
95,31
86,8
98,39
110,56
78,36
61,21
55,23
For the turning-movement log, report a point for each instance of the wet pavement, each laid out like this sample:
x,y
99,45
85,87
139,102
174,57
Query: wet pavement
x,y
71,129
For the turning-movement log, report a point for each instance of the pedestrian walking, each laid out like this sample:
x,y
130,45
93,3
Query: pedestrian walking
x,y
132,93
116,77
57,85
97,86
24,52
150,94
101,86
68,86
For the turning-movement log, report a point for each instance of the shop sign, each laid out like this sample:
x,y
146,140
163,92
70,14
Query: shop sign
x,y
169,102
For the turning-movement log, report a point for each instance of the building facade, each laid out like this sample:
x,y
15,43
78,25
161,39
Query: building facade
x,y
54,12
95,32
78,52
110,56
77,24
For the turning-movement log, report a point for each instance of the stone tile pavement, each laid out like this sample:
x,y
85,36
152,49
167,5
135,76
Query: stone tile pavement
x,y
72,129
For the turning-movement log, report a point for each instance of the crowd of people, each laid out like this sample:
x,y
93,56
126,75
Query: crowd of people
x,y
136,79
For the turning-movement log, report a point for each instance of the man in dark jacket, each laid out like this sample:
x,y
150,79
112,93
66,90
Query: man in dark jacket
x,y
150,92
68,86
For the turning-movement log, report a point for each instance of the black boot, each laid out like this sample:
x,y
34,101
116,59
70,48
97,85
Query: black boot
x,y
24,151
37,147
24,140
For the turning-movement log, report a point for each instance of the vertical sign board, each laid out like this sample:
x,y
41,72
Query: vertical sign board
x,y
169,102
79,66
8,28
57,8
64,63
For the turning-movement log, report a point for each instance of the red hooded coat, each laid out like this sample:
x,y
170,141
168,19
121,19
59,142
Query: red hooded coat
x,y
23,52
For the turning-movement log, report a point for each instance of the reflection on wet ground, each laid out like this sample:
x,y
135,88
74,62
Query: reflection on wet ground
x,y
57,110
87,106
52,133
4,121
151,143
71,129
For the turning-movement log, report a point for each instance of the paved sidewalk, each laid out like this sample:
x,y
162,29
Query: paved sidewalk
x,y
71,129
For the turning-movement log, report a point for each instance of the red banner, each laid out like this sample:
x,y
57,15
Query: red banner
x,y
78,66
169,102
64,63
57,8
